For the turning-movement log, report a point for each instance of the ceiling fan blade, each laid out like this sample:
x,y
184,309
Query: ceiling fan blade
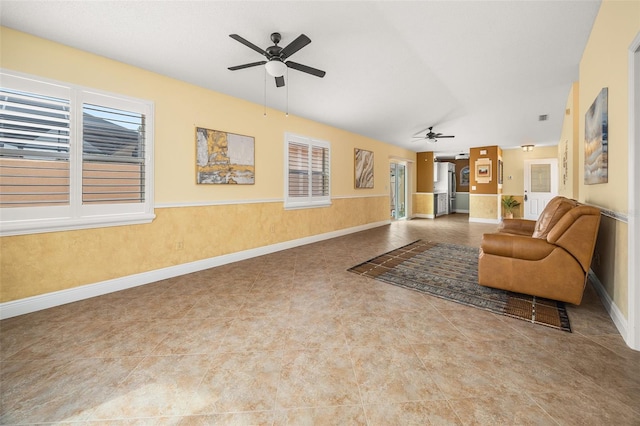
x,y
280,81
295,45
446,137
305,68
248,44
252,64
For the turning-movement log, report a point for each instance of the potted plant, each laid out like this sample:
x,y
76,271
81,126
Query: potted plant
x,y
509,204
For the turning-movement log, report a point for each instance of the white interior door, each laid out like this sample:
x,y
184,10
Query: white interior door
x,y
540,185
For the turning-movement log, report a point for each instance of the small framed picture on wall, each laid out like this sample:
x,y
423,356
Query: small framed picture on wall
x,y
483,170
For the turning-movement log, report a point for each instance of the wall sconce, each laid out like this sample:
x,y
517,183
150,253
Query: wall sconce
x,y
527,148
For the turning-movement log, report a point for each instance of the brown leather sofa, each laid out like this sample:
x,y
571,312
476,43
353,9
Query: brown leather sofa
x,y
547,258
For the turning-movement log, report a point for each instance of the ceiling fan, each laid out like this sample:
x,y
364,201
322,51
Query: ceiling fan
x,y
432,136
277,63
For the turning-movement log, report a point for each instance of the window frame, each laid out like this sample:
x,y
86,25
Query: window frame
x,y
75,215
309,201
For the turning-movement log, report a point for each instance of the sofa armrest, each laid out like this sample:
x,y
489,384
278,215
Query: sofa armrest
x,y
518,226
516,246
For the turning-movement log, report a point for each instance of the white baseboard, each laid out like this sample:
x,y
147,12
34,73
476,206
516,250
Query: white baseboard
x,y
62,297
462,211
483,220
424,216
614,312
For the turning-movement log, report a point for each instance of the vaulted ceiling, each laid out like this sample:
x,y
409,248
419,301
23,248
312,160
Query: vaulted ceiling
x,y
483,71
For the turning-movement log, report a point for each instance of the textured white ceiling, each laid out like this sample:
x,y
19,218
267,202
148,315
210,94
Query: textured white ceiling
x,y
480,70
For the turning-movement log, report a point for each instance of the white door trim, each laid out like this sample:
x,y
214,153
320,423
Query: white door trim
x,y
633,326
407,186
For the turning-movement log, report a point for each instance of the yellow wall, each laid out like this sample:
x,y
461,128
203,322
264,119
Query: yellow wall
x,y
605,64
423,205
568,160
41,263
483,207
513,183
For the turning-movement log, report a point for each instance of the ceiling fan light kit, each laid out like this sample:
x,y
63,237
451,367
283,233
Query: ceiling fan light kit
x,y
275,68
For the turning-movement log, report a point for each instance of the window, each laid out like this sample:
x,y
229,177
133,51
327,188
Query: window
x,y
307,169
71,157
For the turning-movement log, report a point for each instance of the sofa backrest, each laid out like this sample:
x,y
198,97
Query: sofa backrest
x,y
552,213
577,232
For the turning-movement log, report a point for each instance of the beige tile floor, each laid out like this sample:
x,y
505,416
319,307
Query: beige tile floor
x,y
292,338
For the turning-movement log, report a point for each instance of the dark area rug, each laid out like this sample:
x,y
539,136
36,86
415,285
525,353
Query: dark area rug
x,y
450,271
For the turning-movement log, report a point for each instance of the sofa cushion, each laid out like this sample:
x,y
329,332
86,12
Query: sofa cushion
x,y
517,227
555,209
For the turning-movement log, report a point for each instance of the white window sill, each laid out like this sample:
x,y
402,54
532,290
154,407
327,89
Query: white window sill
x,y
294,206
68,224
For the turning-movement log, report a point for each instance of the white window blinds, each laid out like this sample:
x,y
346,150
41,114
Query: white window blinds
x,y
72,157
34,149
307,172
319,171
113,157
298,170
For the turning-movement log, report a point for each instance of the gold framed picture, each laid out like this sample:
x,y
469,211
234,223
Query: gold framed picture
x,y
224,158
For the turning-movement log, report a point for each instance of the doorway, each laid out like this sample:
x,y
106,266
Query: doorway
x,y
540,185
633,325
398,191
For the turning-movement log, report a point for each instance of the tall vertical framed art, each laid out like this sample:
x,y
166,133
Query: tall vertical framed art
x,y
363,168
596,140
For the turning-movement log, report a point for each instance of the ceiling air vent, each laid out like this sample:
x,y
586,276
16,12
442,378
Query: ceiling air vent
x,y
543,117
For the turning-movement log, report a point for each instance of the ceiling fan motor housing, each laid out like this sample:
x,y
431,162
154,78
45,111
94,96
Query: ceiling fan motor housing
x,y
274,52
275,38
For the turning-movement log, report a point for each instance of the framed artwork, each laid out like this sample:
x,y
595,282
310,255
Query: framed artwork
x,y
363,167
464,176
483,170
565,164
224,158
500,171
596,140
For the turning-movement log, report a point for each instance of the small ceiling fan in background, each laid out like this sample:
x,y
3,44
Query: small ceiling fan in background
x,y
431,136
277,63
